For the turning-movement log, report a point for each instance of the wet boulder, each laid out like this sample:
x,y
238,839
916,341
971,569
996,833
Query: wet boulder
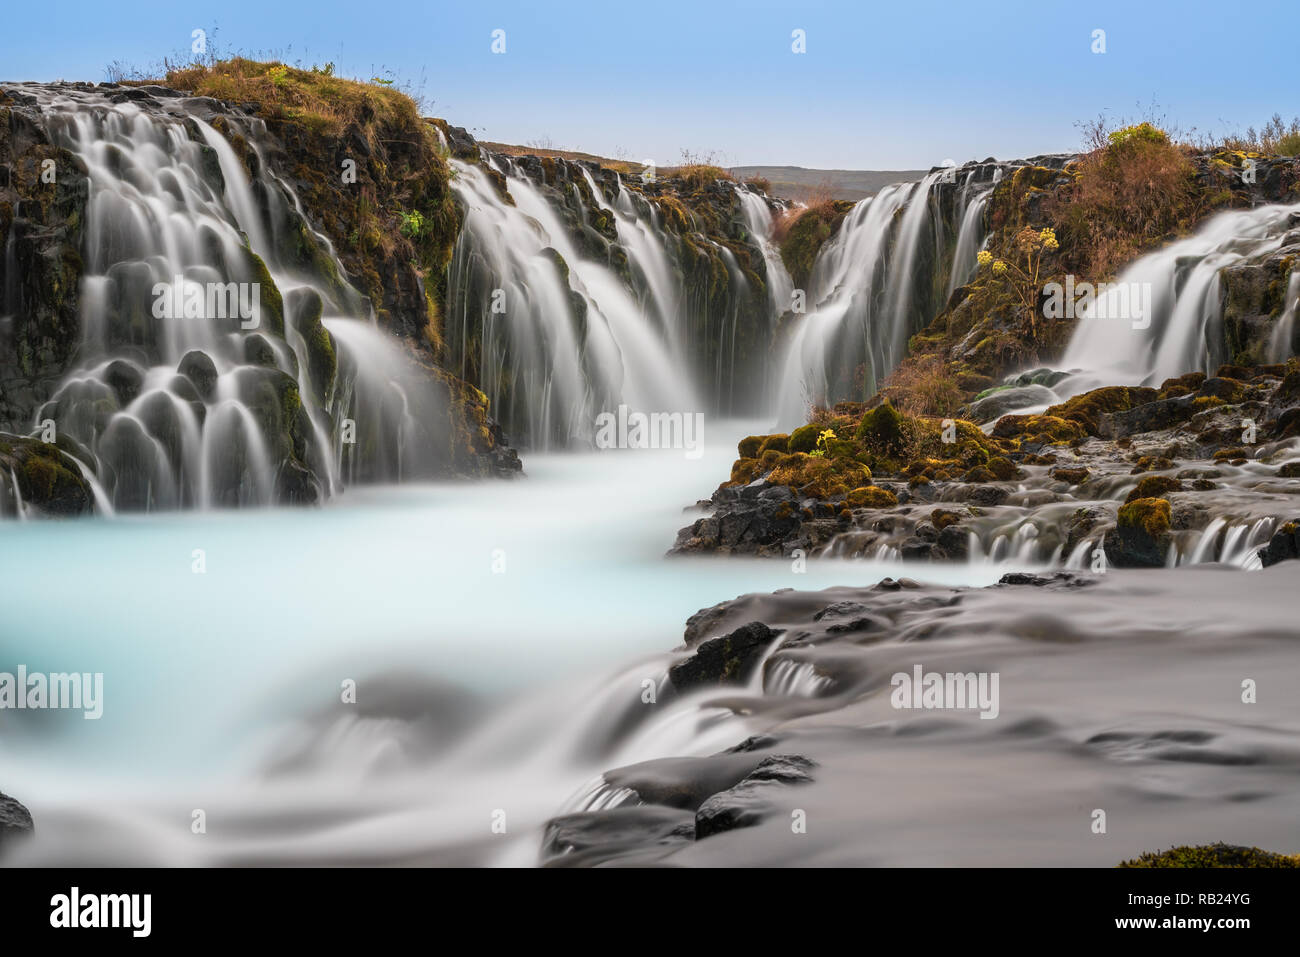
x,y
749,802
15,821
198,367
46,478
1283,546
1140,538
729,659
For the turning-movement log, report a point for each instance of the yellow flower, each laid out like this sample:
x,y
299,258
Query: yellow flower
x,y
999,267
984,257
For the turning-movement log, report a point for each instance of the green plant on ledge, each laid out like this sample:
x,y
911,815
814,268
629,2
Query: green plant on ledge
x,y
823,442
412,224
1031,247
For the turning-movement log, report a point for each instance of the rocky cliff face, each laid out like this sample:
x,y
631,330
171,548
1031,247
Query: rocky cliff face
x,y
333,204
42,209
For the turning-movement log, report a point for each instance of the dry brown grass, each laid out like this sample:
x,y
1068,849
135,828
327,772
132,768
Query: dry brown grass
x,y
1126,195
699,175
923,386
315,98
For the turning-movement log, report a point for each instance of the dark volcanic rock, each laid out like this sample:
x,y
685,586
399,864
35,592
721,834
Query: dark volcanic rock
x,y
752,799
725,660
198,367
15,821
1284,545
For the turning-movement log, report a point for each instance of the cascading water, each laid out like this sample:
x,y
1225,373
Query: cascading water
x,y
971,237
206,370
758,218
1163,316
559,336
881,278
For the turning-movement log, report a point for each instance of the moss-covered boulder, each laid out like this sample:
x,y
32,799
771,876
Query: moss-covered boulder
x,y
803,439
1039,429
46,479
1088,409
871,496
1214,855
1154,486
1141,537
881,429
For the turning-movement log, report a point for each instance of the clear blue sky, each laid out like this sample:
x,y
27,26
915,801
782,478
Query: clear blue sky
x,y
881,86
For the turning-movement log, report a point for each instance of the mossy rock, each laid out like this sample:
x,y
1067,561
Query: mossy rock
x,y
749,446
1152,463
1214,855
1151,515
803,439
47,479
881,429
1044,429
1088,408
270,303
744,471
1072,476
1003,468
306,309
1154,486
817,476
775,443
871,496
1140,538
1231,455
941,518
1289,470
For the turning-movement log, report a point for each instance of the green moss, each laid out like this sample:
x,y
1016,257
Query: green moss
x,y
1003,468
1214,855
41,474
1230,454
1149,514
270,303
941,518
803,439
881,429
1070,475
1088,408
1044,429
1154,486
871,496
776,443
749,446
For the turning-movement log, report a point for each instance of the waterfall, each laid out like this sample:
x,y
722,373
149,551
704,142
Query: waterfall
x,y
883,277
971,237
560,336
568,297
1183,329
758,218
1280,344
206,370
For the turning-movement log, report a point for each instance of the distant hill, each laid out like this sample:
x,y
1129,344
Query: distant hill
x,y
788,182
799,183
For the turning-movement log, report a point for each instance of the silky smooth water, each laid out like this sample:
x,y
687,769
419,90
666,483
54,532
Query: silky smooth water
x,y
206,674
